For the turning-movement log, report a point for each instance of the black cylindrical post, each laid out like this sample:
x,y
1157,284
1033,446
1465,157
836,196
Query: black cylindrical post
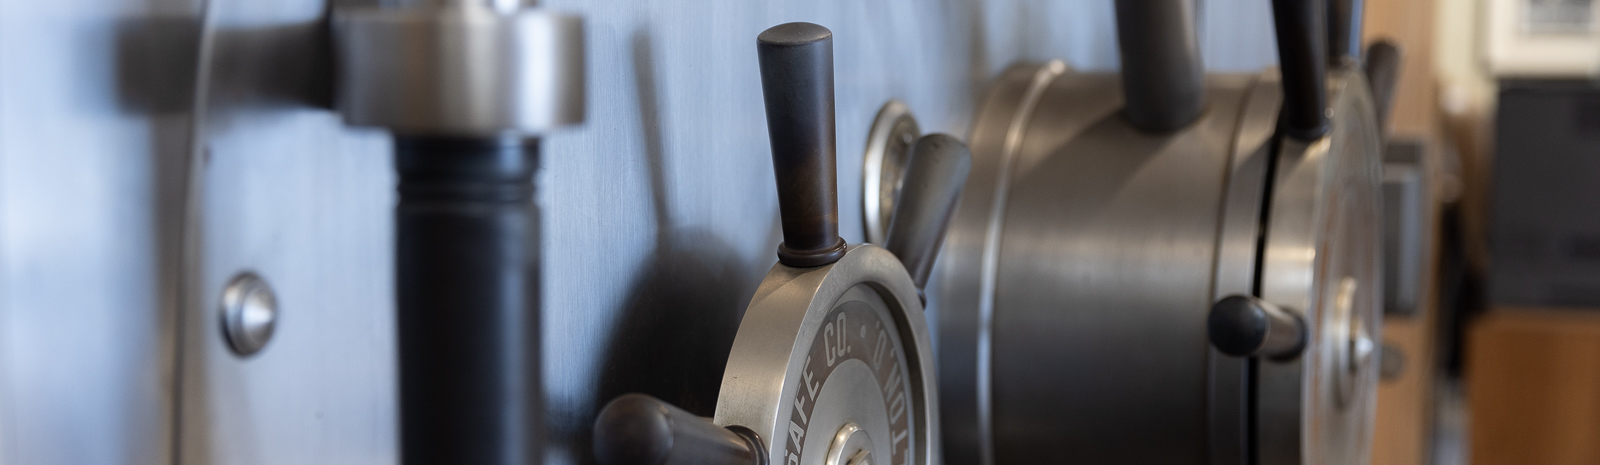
x,y
1344,31
1301,59
467,288
797,80
1163,81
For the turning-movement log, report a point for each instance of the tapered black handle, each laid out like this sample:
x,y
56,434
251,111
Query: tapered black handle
x,y
1301,59
1246,326
636,429
934,175
1383,74
797,81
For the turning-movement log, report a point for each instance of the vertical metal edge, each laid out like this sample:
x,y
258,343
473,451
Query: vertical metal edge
x,y
989,268
1295,421
1310,178
954,307
1235,271
189,297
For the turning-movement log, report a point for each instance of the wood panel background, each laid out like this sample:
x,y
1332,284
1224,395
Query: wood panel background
x,y
1533,380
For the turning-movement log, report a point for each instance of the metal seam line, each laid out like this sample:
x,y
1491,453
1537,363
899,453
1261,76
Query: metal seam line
x,y
1237,158
189,231
991,252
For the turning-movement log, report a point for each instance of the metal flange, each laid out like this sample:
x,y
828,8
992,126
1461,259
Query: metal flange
x,y
882,166
460,70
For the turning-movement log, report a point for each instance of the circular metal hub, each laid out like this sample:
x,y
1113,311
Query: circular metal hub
x,y
832,365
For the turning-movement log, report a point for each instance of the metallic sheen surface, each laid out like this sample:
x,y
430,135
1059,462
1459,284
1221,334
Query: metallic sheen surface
x,y
1322,258
770,368
249,314
893,132
968,263
1087,232
1237,243
460,70
1102,275
1103,249
659,212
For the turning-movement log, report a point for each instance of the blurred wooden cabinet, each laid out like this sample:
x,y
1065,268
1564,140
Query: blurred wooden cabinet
x,y
1533,387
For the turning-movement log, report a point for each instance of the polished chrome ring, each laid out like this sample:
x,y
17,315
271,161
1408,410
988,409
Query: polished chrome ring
x,y
463,70
888,145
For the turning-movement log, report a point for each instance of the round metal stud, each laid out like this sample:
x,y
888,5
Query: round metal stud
x,y
888,145
249,314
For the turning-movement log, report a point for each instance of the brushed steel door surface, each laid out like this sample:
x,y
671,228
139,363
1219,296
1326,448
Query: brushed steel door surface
x,y
659,212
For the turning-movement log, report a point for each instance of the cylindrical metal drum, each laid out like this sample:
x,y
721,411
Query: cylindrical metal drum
x,y
1087,252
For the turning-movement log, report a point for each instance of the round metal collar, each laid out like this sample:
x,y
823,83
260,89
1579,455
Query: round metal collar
x,y
460,70
888,144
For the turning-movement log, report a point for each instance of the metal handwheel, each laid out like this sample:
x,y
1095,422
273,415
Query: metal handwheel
x,y
832,363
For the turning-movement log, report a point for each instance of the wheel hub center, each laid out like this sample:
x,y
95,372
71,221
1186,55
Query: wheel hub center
x,y
851,446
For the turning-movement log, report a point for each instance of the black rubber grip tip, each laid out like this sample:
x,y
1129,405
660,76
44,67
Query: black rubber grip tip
x,y
1246,326
792,34
636,429
1237,326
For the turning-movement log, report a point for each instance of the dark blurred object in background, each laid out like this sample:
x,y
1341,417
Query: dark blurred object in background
x,y
1544,232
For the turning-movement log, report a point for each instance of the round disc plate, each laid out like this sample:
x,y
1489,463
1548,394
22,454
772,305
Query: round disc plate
x,y
832,365
1322,259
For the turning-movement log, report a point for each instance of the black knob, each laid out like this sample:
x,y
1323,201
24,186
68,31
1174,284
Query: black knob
x,y
797,81
1302,60
1245,326
935,172
636,429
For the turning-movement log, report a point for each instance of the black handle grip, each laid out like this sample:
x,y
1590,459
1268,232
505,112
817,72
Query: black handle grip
x,y
467,292
1163,82
1383,74
1245,326
797,81
636,429
1301,60
1344,31
934,175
